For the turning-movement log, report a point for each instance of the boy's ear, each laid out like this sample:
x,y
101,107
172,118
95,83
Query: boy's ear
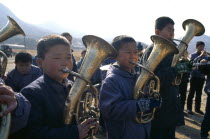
x,y
157,31
39,62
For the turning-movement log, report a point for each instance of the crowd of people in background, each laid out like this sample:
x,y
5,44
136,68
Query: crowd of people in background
x,y
38,90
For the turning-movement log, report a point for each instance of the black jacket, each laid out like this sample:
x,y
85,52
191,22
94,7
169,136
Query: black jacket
x,y
171,111
46,120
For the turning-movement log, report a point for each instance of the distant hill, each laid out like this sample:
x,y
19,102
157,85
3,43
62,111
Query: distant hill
x,y
33,32
192,44
204,38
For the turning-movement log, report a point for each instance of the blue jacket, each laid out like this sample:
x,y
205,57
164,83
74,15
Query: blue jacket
x,y
205,69
96,78
171,111
20,114
17,81
74,69
46,120
194,57
118,107
108,61
79,63
34,60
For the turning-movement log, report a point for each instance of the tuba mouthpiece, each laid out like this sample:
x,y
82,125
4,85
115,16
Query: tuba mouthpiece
x,y
65,70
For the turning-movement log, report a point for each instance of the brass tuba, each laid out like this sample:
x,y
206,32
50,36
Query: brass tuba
x,y
147,78
9,30
97,51
207,53
192,28
5,120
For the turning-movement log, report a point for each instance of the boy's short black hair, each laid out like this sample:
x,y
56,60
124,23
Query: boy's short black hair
x,y
66,34
200,43
84,51
48,42
139,46
119,40
23,57
161,22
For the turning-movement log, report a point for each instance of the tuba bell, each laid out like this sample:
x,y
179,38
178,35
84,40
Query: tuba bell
x,y
148,79
192,28
97,51
9,30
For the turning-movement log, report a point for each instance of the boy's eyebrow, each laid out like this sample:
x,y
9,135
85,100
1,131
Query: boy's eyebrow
x,y
58,54
127,49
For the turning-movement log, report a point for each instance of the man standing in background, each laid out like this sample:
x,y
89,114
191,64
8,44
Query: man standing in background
x,y
196,80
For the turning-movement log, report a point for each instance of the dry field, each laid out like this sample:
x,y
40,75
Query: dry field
x,y
193,122
11,65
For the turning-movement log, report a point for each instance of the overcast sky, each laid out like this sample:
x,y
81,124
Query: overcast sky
x,y
109,18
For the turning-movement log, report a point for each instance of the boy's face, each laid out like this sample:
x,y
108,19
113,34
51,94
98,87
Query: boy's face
x,y
200,48
22,67
57,58
167,32
128,52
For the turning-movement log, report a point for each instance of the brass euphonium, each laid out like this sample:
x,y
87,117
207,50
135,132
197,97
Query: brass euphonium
x,y
9,30
5,120
207,53
147,78
192,28
97,51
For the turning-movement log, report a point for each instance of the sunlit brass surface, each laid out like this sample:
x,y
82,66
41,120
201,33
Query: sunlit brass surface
x,y
207,53
10,29
192,28
97,51
5,120
161,49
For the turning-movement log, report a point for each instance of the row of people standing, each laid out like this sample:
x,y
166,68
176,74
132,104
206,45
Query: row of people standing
x,y
41,124
116,102
196,79
39,106
116,96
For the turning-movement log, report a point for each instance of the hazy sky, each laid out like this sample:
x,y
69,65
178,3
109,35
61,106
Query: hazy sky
x,y
109,18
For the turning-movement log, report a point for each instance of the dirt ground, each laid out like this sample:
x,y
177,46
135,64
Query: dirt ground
x,y
193,122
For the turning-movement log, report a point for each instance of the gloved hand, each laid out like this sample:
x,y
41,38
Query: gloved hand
x,y
184,67
145,104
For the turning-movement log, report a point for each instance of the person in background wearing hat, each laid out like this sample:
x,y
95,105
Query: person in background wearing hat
x,y
197,80
79,63
140,49
140,53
